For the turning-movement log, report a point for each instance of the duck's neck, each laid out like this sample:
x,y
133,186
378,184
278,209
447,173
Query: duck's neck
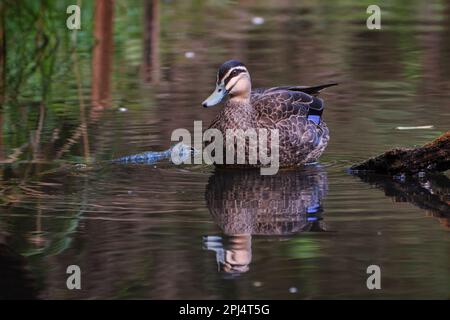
x,y
239,113
242,98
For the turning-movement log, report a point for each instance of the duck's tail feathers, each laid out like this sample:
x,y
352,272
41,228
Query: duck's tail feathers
x,y
315,90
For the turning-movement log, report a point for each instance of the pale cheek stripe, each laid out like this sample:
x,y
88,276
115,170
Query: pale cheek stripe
x,y
230,84
229,71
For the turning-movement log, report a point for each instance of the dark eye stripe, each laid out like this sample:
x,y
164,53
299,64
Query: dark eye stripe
x,y
233,74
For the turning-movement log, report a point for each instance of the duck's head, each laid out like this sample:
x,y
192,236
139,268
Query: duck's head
x,y
234,80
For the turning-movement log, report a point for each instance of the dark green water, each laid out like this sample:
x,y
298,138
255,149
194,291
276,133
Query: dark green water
x,y
159,231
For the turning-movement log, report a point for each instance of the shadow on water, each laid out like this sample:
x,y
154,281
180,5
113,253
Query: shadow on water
x,y
16,280
430,193
245,203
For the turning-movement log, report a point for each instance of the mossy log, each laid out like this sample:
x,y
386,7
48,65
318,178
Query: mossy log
x,y
432,157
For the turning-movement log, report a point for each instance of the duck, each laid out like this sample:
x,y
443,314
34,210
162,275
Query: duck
x,y
295,111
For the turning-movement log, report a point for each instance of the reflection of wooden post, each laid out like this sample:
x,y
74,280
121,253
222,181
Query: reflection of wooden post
x,y
151,41
2,52
432,48
2,72
2,147
103,51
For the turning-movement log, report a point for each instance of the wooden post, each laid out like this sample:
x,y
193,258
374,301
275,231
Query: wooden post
x,y
103,53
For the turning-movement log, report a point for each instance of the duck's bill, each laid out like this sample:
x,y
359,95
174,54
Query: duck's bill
x,y
216,97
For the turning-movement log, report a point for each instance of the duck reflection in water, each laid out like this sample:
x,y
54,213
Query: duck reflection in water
x,y
245,203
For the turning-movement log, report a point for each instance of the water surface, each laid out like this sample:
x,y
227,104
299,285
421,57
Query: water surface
x,y
165,231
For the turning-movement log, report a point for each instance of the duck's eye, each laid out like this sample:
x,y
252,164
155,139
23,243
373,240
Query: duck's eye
x,y
234,73
220,90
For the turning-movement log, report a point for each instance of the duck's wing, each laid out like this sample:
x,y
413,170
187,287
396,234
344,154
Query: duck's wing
x,y
297,115
314,90
276,105
311,90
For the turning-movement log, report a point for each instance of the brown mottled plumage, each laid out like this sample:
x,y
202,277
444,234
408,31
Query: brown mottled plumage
x,y
244,202
288,109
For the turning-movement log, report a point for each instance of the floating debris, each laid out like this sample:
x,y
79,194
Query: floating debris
x,y
415,128
293,290
257,284
122,109
190,54
258,20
